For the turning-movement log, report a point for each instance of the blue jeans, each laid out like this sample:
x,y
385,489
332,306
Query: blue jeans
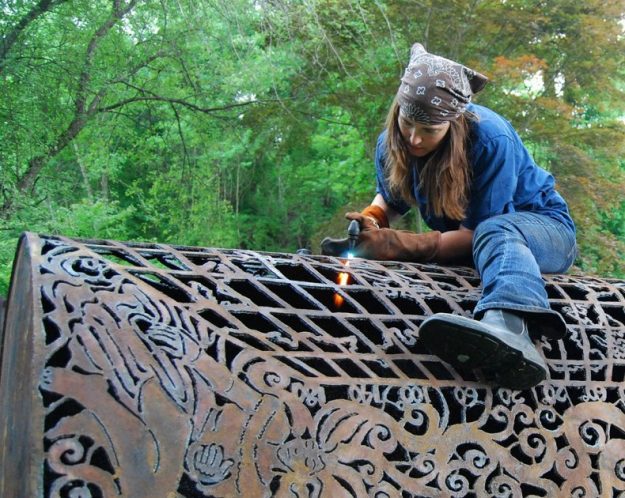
x,y
511,251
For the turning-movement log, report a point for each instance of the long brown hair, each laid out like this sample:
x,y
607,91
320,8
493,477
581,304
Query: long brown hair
x,y
444,178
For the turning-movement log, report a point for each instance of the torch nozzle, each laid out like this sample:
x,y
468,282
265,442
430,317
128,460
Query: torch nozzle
x,y
353,231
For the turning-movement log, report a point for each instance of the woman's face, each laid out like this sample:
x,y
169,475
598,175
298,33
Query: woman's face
x,y
421,139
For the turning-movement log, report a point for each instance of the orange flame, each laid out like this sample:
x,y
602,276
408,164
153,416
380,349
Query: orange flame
x,y
342,279
338,300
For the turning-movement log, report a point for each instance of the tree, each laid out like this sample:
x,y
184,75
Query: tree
x,y
116,59
252,123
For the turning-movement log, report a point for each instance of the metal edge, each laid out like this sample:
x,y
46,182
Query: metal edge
x,y
21,447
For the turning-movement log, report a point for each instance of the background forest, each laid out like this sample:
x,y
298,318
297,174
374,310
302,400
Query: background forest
x,y
241,123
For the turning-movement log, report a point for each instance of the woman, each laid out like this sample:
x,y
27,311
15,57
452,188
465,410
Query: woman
x,y
483,196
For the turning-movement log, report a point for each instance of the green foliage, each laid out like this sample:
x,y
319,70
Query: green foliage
x,y
331,168
82,219
252,123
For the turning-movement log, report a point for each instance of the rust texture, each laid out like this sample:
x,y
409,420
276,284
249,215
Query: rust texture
x,y
152,370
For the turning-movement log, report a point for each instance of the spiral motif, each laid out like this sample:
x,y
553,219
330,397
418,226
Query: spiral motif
x,y
578,492
477,458
570,460
592,434
504,486
423,464
619,469
66,451
417,419
379,433
457,483
273,379
549,418
72,488
533,444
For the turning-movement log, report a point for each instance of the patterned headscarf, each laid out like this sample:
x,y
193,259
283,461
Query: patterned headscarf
x,y
434,89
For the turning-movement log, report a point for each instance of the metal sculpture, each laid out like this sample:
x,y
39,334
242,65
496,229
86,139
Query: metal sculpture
x,y
151,370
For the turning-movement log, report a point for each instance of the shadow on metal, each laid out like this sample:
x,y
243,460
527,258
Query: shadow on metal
x,y
152,370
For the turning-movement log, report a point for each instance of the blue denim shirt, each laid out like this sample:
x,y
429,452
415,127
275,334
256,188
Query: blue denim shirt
x,y
504,178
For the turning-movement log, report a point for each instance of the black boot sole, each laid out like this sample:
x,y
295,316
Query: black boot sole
x,y
466,344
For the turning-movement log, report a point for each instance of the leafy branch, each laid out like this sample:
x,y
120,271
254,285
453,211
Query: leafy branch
x,y
8,40
83,110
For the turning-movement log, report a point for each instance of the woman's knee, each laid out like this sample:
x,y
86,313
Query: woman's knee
x,y
526,232
497,227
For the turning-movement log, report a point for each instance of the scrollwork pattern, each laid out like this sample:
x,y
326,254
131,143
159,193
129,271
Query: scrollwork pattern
x,y
148,394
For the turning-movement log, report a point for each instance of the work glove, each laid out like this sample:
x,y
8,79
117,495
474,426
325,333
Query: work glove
x,y
371,218
388,245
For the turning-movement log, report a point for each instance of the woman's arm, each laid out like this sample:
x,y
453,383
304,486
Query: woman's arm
x,y
455,245
391,214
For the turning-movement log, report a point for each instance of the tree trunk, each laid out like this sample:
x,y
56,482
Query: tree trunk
x,y
83,173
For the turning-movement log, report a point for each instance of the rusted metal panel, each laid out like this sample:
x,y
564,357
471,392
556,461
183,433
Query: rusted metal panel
x,y
2,310
21,414
152,370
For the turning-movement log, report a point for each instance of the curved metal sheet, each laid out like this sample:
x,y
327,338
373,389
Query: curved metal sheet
x,y
181,371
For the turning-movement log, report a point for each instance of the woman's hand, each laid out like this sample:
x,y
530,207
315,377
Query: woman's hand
x,y
366,222
372,217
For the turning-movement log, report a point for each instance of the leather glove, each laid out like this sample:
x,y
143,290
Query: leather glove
x,y
388,244
371,218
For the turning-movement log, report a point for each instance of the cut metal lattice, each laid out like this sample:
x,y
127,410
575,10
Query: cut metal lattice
x,y
152,370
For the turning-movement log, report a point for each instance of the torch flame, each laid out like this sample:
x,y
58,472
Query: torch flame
x,y
342,279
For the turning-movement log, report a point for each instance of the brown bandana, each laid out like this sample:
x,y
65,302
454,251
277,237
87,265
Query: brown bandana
x,y
434,89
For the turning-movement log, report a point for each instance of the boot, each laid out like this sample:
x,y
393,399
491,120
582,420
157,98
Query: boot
x,y
499,344
545,323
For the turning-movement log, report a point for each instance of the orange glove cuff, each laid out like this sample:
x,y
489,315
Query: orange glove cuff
x,y
377,213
